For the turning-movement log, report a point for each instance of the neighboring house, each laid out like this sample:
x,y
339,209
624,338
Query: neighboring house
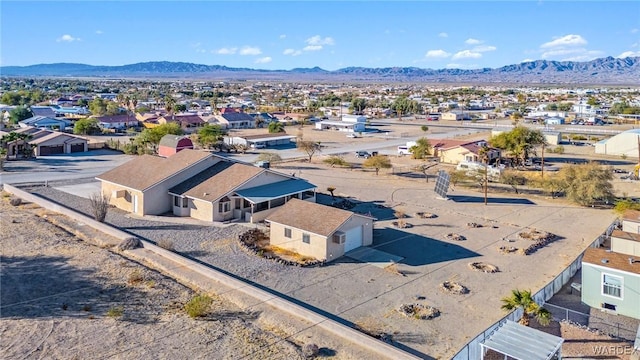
x,y
45,122
455,116
341,126
201,185
46,111
172,144
260,141
456,151
322,232
236,120
56,143
611,278
631,221
71,111
554,120
117,122
186,121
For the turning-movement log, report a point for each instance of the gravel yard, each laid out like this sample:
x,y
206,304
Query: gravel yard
x,y
368,296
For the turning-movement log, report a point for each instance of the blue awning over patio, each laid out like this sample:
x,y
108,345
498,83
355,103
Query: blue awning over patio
x,y
268,192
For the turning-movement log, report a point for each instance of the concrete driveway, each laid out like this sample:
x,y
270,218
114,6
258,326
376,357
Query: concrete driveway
x,y
84,190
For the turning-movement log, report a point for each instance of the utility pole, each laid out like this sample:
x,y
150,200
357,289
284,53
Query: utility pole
x,y
542,163
486,180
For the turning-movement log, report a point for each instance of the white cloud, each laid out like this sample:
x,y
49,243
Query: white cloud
x,y
472,41
283,36
249,50
291,52
227,51
567,40
312,48
627,54
635,31
634,45
319,40
526,60
443,35
67,38
484,48
264,60
202,51
466,54
437,54
99,32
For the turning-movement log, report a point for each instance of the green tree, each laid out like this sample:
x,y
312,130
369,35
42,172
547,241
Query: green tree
x,y
358,104
565,106
11,98
209,135
552,107
309,147
587,184
377,162
86,126
522,299
276,127
593,101
334,160
421,149
180,108
170,104
18,114
150,138
519,142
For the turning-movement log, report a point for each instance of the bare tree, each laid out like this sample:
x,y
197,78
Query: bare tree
x,y
309,147
99,205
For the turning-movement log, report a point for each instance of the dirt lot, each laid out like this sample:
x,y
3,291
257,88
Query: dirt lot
x,y
61,297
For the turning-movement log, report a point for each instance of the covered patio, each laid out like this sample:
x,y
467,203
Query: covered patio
x,y
267,197
520,342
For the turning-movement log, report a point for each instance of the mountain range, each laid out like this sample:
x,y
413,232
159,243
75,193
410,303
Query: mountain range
x,y
609,71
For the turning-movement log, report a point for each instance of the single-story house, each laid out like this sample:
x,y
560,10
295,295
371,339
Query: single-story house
x,y
554,120
341,126
260,141
455,116
186,121
236,120
320,231
201,185
56,143
45,122
456,151
354,118
117,121
46,111
171,144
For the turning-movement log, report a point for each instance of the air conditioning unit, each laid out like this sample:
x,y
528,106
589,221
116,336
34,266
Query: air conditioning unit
x,y
339,238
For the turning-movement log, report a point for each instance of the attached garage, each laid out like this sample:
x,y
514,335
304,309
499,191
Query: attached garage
x,y
77,148
51,150
353,239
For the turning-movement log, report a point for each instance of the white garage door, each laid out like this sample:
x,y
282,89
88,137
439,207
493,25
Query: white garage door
x,y
353,239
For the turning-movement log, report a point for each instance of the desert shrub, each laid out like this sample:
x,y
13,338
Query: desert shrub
x,y
115,312
166,244
86,307
558,149
99,205
15,201
198,306
310,351
625,204
130,244
578,137
136,277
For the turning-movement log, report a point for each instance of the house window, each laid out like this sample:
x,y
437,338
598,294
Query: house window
x,y
612,285
180,202
287,233
224,205
306,238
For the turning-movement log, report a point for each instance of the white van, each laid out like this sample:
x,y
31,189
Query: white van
x,y
403,150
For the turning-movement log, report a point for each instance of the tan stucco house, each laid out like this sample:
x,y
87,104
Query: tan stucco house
x,y
456,151
201,185
322,232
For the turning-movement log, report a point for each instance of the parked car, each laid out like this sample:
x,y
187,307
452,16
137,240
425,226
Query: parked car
x,y
363,154
352,136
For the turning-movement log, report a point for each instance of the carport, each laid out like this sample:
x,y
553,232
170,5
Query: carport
x,y
520,342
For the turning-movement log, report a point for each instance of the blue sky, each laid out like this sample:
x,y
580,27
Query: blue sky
x,y
330,34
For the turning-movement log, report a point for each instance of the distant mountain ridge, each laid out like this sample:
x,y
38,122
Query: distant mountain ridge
x,y
607,70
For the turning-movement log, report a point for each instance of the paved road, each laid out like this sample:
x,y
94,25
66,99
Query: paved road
x,y
64,167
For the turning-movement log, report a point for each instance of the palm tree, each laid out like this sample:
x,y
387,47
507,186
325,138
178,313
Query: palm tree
x,y
169,104
523,299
